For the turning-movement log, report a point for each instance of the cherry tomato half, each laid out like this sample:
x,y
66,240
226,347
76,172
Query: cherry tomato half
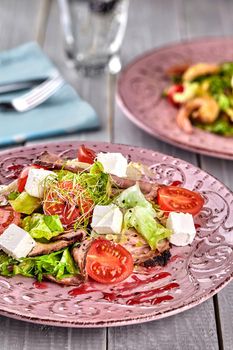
x,y
107,262
172,90
67,201
22,179
86,155
8,216
173,198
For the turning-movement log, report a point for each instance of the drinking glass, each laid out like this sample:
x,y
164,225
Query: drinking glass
x,y
93,32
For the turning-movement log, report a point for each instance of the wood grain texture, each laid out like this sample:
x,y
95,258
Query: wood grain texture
x,y
196,328
213,17
188,330
223,171
151,24
17,22
14,23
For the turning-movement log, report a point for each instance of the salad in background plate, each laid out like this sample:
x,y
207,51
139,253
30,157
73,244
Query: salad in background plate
x,y
203,94
96,216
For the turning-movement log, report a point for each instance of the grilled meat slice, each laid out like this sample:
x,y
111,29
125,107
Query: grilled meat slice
x,y
79,255
53,161
67,281
47,248
161,259
79,235
145,187
142,253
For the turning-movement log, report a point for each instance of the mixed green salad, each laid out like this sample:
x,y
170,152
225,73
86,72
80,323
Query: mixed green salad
x,y
69,220
203,93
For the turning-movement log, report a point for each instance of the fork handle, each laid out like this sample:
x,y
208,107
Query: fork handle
x,y
6,106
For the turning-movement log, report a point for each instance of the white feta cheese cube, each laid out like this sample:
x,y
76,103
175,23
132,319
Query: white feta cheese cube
x,y
182,227
113,163
36,181
16,242
107,219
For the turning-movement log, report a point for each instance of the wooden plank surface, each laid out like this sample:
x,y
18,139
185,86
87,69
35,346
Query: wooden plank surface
x,y
217,16
172,332
152,24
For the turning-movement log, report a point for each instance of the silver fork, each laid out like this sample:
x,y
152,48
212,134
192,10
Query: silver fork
x,y
35,96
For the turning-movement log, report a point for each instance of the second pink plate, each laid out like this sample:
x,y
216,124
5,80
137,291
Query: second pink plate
x,y
141,85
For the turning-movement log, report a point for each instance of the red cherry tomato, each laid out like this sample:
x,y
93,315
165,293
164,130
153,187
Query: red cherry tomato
x,y
22,179
8,216
173,198
172,90
107,262
86,155
67,201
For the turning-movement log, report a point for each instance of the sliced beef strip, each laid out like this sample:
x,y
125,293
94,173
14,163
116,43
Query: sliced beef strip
x,y
53,161
142,253
68,281
79,235
47,248
145,187
79,255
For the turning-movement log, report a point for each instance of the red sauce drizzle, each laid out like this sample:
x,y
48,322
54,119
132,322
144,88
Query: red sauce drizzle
x,y
153,301
176,183
15,169
140,298
138,282
83,289
197,226
40,285
134,297
175,257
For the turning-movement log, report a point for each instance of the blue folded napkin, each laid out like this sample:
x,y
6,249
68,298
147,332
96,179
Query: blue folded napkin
x,y
62,113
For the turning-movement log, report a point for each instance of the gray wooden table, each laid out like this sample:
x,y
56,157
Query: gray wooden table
x,y
152,23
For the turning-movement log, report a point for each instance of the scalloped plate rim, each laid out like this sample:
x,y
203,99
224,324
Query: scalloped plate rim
x,y
128,320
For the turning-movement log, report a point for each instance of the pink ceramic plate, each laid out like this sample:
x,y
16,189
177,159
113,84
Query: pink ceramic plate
x,y
194,274
143,81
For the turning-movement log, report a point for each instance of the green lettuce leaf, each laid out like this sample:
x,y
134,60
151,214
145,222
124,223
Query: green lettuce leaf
x,y
132,197
42,226
6,263
221,126
142,220
24,203
58,264
13,195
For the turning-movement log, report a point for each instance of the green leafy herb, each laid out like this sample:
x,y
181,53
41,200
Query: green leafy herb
x,y
132,197
58,264
13,195
221,126
24,203
142,220
42,226
6,264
